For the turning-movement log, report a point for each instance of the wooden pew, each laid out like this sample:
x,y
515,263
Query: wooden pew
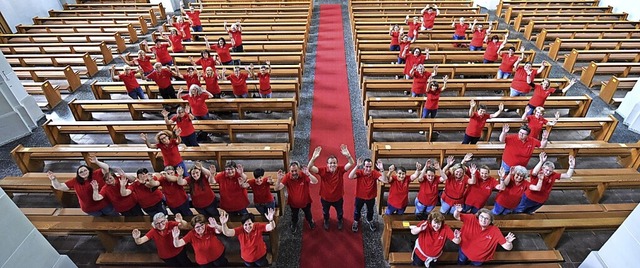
x,y
65,78
115,6
251,4
435,34
398,17
146,14
33,158
577,105
252,26
435,57
84,63
122,29
608,88
620,69
522,18
432,45
576,56
252,36
551,34
109,38
513,11
358,10
567,45
51,93
600,128
505,4
251,46
138,22
84,109
537,26
266,17
444,24
276,58
418,4
59,132
51,48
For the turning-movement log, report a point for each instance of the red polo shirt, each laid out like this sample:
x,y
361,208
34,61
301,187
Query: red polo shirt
x,y
431,242
476,124
480,191
520,80
454,190
201,193
173,191
491,52
265,82
428,193
198,104
366,187
540,95
433,97
162,78
331,184
507,63
194,17
144,63
239,83
547,184
130,81
212,84
162,54
536,124
164,241
232,196
223,52
207,247
252,247
236,36
398,191
461,29
517,152
429,19
146,196
207,62
510,197
170,153
119,202
419,85
261,192
298,190
478,37
477,244
84,191
184,123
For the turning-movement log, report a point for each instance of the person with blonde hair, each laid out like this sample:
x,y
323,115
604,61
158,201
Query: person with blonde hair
x,y
168,145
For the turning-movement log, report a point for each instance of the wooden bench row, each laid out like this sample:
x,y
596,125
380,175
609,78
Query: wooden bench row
x,y
435,57
565,45
159,8
65,78
148,14
432,45
542,38
608,88
503,5
593,26
619,69
51,93
514,11
525,17
601,56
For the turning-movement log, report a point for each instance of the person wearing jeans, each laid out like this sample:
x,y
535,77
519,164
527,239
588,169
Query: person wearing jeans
x,y
366,189
544,177
427,197
455,182
297,181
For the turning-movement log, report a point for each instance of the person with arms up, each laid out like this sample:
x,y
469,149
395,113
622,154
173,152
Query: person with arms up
x,y
172,183
297,181
235,34
414,27
128,77
518,148
160,50
396,33
261,188
537,194
162,76
479,35
479,237
161,234
168,145
511,189
223,50
194,17
233,197
481,185
184,126
427,197
149,197
523,78
398,190
203,199
493,47
542,91
432,234
366,190
429,14
118,193
455,185
142,60
253,250
477,119
460,32
536,122
208,250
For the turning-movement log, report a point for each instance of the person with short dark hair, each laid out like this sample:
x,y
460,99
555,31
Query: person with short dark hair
x,y
479,237
261,186
118,193
208,250
297,181
398,190
253,250
149,197
493,47
233,197
222,49
518,148
477,119
366,190
161,234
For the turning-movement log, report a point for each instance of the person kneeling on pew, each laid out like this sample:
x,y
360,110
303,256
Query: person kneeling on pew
x,y
432,234
253,250
161,234
479,237
128,76
81,184
536,195
118,193
208,250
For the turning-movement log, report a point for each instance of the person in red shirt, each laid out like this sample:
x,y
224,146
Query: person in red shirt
x,y
261,188
233,197
493,47
175,39
184,126
537,122
523,78
253,250
172,182
142,60
149,198
192,77
460,31
160,50
429,14
162,77
542,91
455,186
202,197
432,234
415,58
235,34
331,183
537,194
206,61
404,48
117,193
366,190
264,78
168,147
297,181
427,197
197,101
481,184
519,147
479,35
420,79
184,28
81,184
128,76
211,78
414,27
479,237
430,108
194,17
511,189
161,234
238,81
223,50
398,190
509,61
395,32
476,122
208,250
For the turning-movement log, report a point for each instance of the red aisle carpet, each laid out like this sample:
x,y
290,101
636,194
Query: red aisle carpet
x,y
330,127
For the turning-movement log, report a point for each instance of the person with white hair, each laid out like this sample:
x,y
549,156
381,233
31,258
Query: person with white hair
x,y
235,33
163,238
537,194
128,76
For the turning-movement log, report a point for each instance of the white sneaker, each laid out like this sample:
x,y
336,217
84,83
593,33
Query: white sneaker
x,y
421,132
397,77
422,28
410,111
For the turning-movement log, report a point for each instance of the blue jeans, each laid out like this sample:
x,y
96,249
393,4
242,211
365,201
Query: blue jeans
x,y
265,96
137,93
197,28
262,262
169,63
244,96
463,260
157,208
503,75
401,60
533,108
360,204
417,95
487,61
429,113
470,140
263,208
505,166
337,205
469,208
458,37
211,210
422,209
183,209
394,48
391,209
515,93
527,205
446,208
475,48
190,140
184,167
106,211
500,210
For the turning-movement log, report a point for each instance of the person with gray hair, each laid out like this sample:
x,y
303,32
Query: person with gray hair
x,y
510,189
162,236
297,182
479,237
544,177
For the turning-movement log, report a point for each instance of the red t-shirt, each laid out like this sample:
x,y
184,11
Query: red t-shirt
x,y
173,192
84,191
298,190
398,191
185,28
207,62
162,78
265,82
119,202
252,247
547,183
510,197
394,38
454,190
130,81
164,241
429,19
517,152
184,123
261,192
507,63
540,95
478,37
491,52
170,153
144,63
413,60
239,83
461,29
520,80
479,193
162,53
331,184
176,42
236,36
366,187
419,85
536,125
431,242
146,196
223,52
413,28
198,104
428,193
232,196
476,124
433,97
403,45
212,84
191,79
477,244
201,193
194,17
207,247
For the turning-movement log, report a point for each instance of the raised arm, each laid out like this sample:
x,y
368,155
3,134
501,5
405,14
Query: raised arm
x,y
279,184
270,217
542,66
352,173
472,107
123,186
415,230
545,139
417,174
114,73
137,239
503,134
571,83
94,160
124,58
144,138
572,166
509,244
224,219
456,213
177,242
497,113
541,157
383,178
312,161
345,152
95,194
472,179
312,178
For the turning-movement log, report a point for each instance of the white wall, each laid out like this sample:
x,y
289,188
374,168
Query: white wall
x,y
22,11
630,6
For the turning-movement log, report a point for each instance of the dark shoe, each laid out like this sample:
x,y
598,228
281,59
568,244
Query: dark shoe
x,y
294,228
340,224
373,226
354,227
312,225
326,224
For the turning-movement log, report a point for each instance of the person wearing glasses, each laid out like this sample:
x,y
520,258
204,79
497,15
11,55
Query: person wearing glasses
x,y
161,235
479,237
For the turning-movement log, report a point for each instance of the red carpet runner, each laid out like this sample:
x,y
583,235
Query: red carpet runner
x,y
330,127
